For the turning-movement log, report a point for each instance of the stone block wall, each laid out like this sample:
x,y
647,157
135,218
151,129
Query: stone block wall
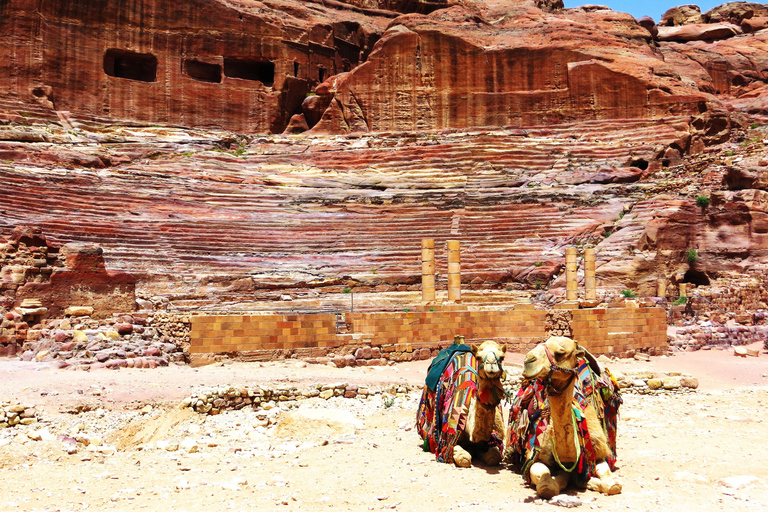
x,y
251,333
405,336
620,330
521,328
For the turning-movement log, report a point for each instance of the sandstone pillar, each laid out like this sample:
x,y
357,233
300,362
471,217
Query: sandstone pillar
x,y
571,282
454,271
427,270
661,288
590,289
683,290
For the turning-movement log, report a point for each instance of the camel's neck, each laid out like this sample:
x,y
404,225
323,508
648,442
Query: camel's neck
x,y
561,408
485,415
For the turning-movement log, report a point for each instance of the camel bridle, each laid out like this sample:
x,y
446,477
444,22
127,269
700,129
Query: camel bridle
x,y
551,389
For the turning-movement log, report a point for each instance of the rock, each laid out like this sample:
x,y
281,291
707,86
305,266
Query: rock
x,y
689,382
79,337
681,15
642,357
565,500
671,382
325,395
698,32
654,384
79,311
740,351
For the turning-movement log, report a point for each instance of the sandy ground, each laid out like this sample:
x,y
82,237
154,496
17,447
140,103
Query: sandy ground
x,y
701,451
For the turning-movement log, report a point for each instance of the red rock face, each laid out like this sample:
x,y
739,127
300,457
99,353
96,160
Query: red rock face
x,y
31,268
448,71
238,65
248,67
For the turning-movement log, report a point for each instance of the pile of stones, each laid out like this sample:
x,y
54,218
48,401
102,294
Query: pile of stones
x,y
707,334
362,356
652,383
260,398
16,414
80,342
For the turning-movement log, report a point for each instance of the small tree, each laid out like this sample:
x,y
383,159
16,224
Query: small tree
x,y
702,202
628,294
692,255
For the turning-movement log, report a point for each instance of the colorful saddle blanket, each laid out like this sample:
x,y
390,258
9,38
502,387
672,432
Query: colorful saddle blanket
x,y
442,414
529,419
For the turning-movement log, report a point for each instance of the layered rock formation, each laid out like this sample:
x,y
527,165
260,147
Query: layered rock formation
x,y
249,67
516,129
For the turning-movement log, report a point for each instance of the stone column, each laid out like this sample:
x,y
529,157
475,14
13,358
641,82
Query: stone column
x,y
590,288
661,288
454,271
427,270
683,289
571,283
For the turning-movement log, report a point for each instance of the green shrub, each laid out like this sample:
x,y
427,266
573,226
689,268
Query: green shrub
x,y
628,294
346,290
692,255
537,285
702,201
680,301
538,264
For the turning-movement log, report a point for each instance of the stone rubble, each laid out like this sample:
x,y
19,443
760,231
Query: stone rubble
x,y
12,415
265,399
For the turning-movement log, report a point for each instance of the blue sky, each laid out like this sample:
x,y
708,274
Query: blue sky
x,y
652,8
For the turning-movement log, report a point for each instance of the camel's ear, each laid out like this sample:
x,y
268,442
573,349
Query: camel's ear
x,y
503,349
475,349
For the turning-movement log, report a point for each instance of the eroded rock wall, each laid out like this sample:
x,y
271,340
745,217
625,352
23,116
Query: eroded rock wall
x,y
240,65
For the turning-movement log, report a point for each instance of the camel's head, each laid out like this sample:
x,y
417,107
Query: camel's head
x,y
563,352
491,356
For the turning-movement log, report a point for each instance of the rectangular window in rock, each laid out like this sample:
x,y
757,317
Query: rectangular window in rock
x,y
246,69
130,65
202,71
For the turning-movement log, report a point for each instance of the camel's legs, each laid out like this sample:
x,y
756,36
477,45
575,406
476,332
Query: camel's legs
x,y
461,457
492,457
609,483
547,486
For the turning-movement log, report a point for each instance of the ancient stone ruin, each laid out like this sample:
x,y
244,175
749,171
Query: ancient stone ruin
x,y
283,161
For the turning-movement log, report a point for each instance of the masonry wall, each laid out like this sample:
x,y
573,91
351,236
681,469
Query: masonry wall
x,y
520,328
250,333
405,336
620,330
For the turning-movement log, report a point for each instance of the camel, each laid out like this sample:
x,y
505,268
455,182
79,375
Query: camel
x,y
571,439
461,415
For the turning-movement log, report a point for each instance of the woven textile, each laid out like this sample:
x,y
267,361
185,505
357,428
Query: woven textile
x,y
442,414
530,416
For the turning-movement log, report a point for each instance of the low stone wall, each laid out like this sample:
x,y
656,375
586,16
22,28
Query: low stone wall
x,y
215,401
16,414
379,337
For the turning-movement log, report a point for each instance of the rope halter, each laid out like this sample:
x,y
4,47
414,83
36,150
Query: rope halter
x,y
555,368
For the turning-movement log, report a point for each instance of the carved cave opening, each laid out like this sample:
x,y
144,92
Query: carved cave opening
x,y
130,65
640,163
320,74
696,277
202,71
246,69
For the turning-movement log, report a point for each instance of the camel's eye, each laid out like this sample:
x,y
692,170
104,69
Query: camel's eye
x,y
559,354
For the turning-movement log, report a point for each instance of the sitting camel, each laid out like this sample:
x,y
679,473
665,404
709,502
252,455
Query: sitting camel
x,y
460,408
563,422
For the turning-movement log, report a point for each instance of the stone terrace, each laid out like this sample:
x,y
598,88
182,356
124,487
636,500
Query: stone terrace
x,y
195,215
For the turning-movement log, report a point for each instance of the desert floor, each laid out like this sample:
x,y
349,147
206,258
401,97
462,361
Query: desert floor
x,y
702,451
